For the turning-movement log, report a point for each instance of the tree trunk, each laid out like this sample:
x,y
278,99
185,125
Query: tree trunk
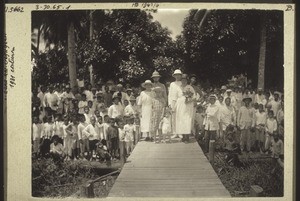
x,y
91,38
262,54
38,40
72,55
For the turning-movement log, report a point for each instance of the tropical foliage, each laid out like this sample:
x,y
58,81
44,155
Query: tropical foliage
x,y
129,44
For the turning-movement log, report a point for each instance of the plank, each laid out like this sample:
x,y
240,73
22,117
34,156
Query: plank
x,y
168,170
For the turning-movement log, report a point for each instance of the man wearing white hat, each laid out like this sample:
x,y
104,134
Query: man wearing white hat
x,y
156,76
175,92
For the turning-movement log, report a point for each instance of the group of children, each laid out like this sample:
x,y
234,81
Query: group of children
x,y
90,125
103,123
250,123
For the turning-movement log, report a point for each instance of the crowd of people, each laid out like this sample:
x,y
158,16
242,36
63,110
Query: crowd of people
x,y
104,122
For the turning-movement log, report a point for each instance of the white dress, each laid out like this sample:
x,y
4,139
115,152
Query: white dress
x,y
145,100
184,113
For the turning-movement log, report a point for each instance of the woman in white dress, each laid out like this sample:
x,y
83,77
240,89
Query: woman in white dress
x,y
145,102
185,109
174,93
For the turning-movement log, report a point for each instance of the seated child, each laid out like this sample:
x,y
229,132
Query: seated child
x,y
277,151
102,153
57,149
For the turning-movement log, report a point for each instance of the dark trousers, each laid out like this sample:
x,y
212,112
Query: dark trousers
x,y
209,135
45,147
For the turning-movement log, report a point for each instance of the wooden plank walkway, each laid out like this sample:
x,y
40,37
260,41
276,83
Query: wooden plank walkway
x,y
168,170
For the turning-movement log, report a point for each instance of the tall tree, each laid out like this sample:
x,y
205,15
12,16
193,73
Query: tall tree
x,y
58,29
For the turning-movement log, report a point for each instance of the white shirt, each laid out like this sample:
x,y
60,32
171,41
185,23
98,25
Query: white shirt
x,y
48,131
245,117
36,131
280,116
275,106
89,95
87,118
81,106
175,92
81,127
121,134
259,99
100,131
129,133
105,127
165,125
59,149
115,111
129,110
51,100
58,128
227,116
232,99
212,118
91,132
260,118
271,125
41,95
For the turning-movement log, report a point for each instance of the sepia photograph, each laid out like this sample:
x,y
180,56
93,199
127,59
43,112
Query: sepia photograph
x,y
160,102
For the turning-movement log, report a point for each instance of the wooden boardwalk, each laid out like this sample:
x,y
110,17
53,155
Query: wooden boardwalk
x,y
168,170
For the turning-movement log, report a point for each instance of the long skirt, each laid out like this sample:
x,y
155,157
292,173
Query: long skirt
x,y
146,118
157,114
184,116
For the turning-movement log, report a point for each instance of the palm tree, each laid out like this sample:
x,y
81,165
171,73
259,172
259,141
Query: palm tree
x,y
61,27
262,53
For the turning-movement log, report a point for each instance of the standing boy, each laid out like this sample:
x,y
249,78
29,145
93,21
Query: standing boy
x,y
245,121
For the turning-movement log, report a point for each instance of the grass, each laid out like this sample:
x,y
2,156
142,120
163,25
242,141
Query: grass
x,y
60,180
238,180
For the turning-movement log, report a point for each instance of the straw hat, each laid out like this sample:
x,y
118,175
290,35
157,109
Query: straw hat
x,y
155,74
147,82
177,72
228,90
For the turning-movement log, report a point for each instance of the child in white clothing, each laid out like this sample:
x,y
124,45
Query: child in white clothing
x,y
271,128
47,133
121,141
165,126
129,135
82,104
36,136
